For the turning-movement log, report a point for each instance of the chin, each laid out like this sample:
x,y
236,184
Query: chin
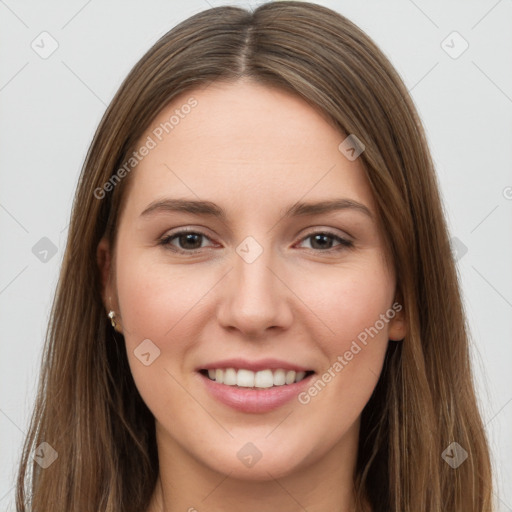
x,y
260,460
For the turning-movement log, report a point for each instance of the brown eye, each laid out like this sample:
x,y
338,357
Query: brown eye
x,y
187,241
322,241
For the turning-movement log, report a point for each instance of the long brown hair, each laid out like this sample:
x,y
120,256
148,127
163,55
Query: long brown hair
x,y
88,408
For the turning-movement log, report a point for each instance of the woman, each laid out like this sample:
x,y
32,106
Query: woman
x,y
308,351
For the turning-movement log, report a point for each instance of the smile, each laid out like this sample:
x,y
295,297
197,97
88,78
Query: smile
x,y
262,379
255,395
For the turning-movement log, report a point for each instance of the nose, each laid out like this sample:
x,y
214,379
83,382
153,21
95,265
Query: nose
x,y
255,298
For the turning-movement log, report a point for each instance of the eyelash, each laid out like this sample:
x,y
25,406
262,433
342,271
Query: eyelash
x,y
165,241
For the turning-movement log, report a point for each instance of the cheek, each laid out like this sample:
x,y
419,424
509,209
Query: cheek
x,y
155,301
349,300
352,302
354,350
155,297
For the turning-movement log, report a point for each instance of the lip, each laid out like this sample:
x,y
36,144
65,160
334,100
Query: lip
x,y
255,366
254,400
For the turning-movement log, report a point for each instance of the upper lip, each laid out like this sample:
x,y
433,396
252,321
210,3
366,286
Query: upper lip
x,y
255,366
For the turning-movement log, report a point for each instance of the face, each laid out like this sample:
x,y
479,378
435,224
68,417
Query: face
x,y
272,288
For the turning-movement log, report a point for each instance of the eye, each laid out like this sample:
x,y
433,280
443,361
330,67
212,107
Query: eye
x,y
320,241
190,241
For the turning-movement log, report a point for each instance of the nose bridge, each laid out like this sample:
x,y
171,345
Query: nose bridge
x,y
256,287
254,276
256,299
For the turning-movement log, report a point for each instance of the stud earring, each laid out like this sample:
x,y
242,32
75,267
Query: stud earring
x,y
111,315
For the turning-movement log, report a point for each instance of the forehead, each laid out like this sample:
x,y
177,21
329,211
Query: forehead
x,y
244,144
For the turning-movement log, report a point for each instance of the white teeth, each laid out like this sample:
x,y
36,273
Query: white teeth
x,y
230,378
249,379
279,378
264,379
290,377
244,378
300,376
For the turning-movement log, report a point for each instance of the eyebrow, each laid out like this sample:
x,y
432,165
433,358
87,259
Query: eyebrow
x,y
213,210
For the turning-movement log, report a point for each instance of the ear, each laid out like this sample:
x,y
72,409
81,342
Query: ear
x,y
104,259
397,328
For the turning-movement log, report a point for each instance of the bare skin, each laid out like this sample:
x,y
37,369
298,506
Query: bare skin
x,y
254,151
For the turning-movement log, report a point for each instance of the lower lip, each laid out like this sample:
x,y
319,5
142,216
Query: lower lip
x,y
255,400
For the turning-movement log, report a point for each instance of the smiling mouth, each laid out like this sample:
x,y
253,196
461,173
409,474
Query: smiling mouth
x,y
247,379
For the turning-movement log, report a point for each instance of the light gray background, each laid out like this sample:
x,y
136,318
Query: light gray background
x,y
50,107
